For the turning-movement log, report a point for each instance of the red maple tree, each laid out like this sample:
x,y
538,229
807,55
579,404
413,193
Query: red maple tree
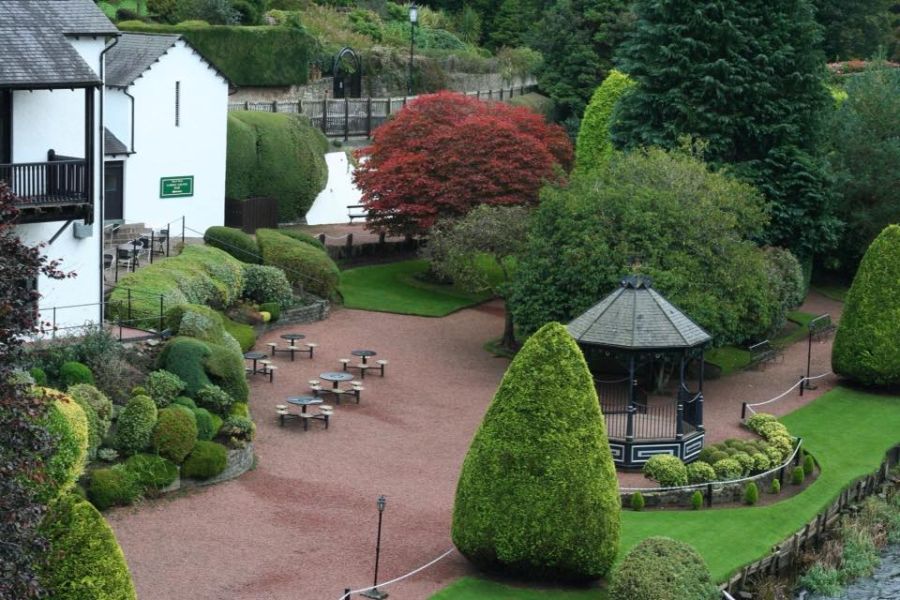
x,y
446,153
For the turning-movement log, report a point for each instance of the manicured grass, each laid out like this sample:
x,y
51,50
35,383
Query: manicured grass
x,y
847,431
835,291
394,288
732,358
472,588
110,8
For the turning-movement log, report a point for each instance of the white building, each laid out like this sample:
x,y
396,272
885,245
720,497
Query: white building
x,y
166,126
51,81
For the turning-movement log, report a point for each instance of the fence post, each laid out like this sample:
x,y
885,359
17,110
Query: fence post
x,y
709,494
629,428
274,106
134,245
300,106
53,331
160,313
346,594
743,411
381,236
369,117
501,94
129,305
490,94
679,422
478,94
182,232
322,238
325,115
349,245
246,105
346,118
168,237
802,384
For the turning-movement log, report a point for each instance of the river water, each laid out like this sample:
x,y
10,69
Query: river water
x,y
883,585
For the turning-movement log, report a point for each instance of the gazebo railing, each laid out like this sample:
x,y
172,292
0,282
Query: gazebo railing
x,y
655,422
614,399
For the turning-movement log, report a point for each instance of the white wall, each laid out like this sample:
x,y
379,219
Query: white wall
x,y
45,120
196,147
117,114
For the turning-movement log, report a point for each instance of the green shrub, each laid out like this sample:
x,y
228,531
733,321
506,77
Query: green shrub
x,y
761,462
797,476
659,568
697,499
667,470
83,559
202,323
115,486
225,270
244,334
706,454
267,285
536,103
185,401
700,472
507,514
751,494
135,425
73,373
727,469
746,461
809,465
787,282
204,419
96,432
164,387
151,471
248,56
86,394
278,156
301,236
239,409
200,364
775,488
717,456
303,264
206,460
214,398
68,426
226,369
594,145
240,428
821,580
865,346
39,376
783,444
273,308
138,390
175,433
216,423
637,501
774,454
235,242
860,555
773,429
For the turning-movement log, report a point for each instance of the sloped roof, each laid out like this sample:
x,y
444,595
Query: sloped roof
x,y
113,145
636,317
34,51
134,54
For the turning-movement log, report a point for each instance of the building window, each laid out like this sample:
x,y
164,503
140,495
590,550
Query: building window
x,y
177,103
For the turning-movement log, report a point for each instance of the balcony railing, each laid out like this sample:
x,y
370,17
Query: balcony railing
x,y
56,182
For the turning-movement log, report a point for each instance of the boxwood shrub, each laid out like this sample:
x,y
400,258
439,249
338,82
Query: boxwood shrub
x,y
206,460
87,394
666,470
151,471
73,372
204,419
728,468
273,308
267,285
659,568
39,376
96,428
115,486
175,433
700,472
302,263
184,401
300,236
200,322
135,425
83,559
243,333
214,398
68,426
164,386
507,514
185,356
233,241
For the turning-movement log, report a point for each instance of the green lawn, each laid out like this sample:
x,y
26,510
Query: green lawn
x,y
732,358
394,288
847,431
835,291
110,9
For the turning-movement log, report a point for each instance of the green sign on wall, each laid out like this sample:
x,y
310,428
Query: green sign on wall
x,y
176,187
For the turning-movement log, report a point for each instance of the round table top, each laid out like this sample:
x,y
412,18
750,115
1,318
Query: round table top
x,y
363,353
293,336
304,400
254,355
336,376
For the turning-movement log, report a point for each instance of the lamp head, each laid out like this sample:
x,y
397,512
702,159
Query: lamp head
x,y
382,501
413,13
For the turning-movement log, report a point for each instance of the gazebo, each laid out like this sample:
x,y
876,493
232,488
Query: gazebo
x,y
635,331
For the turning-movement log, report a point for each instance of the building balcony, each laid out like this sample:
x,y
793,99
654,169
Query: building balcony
x,y
56,190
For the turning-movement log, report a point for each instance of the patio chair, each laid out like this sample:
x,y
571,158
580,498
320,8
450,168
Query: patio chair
x,y
381,364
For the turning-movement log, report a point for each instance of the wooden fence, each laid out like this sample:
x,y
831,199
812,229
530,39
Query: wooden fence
x,y
786,555
251,214
356,117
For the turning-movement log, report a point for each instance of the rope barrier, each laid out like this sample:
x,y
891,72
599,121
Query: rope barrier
x,y
779,396
820,376
609,381
346,595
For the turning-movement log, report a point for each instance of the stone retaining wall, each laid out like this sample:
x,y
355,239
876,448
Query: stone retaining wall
x,y
317,309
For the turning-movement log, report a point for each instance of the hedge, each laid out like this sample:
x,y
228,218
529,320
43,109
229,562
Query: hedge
x,y
243,333
666,470
68,425
201,364
116,486
865,346
135,425
248,56
206,460
233,241
304,237
281,156
538,494
660,568
200,322
175,433
594,145
303,264
84,561
267,285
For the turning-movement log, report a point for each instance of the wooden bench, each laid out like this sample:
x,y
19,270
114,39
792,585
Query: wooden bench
x,y
310,348
762,353
356,215
821,327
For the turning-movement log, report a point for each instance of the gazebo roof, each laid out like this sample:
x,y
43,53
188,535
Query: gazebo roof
x,y
636,317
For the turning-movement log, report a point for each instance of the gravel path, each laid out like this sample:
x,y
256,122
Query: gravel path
x,y
302,524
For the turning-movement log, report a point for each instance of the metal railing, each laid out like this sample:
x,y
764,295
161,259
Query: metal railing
x,y
124,317
51,182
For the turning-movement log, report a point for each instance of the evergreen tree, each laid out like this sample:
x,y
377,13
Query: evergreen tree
x,y
854,28
594,145
747,77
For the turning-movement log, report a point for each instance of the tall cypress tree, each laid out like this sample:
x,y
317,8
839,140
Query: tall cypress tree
x,y
747,76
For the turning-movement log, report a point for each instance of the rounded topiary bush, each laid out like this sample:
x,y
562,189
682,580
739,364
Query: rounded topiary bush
x,y
151,471
84,393
746,461
660,568
700,472
727,469
809,465
233,241
72,373
273,308
302,263
68,426
115,486
204,421
164,387
751,494
775,488
594,145
865,346
215,399
268,286
666,470
538,493
761,462
135,425
206,460
697,499
175,433
83,559
797,475
39,376
184,401
637,501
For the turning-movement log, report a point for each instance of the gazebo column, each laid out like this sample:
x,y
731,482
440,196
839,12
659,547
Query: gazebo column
x,y
699,413
629,425
679,422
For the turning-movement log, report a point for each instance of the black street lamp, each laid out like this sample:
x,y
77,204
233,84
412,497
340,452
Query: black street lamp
x,y
375,593
413,19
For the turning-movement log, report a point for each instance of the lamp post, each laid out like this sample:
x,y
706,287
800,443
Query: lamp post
x,y
375,593
413,19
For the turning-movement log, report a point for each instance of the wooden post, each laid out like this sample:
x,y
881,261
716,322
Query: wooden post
x,y
322,238
478,95
369,117
501,94
349,245
709,494
325,115
300,106
274,106
246,105
381,236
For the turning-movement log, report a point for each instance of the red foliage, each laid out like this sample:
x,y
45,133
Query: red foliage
x,y
445,153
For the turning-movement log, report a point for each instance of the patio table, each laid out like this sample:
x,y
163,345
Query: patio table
x,y
335,377
363,354
254,356
304,401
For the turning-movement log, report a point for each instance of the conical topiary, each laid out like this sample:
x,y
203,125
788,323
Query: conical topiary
x,y
538,494
867,344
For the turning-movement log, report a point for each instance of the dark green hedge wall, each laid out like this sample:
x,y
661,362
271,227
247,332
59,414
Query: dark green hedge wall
x,y
257,56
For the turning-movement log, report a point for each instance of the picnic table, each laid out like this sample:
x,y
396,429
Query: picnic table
x,y
363,354
304,401
254,356
335,377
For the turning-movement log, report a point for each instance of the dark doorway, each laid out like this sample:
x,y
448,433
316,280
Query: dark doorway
x,y
114,184
5,126
347,74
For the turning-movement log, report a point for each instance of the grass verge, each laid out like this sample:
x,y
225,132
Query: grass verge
x,y
848,432
394,288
